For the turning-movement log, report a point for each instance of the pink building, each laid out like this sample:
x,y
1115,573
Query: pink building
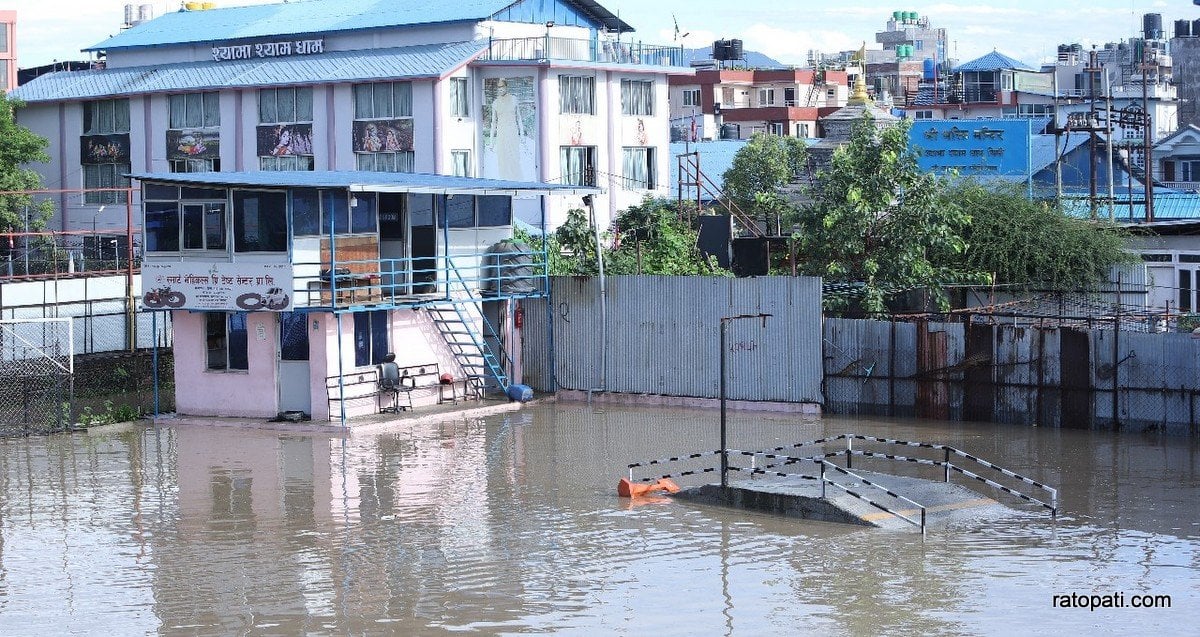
x,y
8,50
292,291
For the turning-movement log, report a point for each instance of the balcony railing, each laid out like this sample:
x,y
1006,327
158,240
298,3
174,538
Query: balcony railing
x,y
411,281
549,48
1186,186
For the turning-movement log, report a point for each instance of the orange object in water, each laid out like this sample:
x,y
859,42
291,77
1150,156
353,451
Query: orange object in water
x,y
627,489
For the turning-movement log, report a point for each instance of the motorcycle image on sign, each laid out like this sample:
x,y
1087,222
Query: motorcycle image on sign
x,y
163,297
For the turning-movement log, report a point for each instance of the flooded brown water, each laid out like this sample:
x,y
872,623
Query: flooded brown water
x,y
511,525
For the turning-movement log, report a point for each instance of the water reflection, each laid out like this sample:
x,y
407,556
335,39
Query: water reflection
x,y
510,524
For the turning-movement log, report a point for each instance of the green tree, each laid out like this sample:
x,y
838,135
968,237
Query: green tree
x,y
652,238
760,168
877,220
19,147
1032,243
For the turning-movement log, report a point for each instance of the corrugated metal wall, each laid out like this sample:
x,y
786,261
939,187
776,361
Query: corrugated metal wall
x,y
1014,374
663,337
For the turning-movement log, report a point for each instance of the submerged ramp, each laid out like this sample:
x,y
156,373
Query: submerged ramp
x,y
800,497
854,496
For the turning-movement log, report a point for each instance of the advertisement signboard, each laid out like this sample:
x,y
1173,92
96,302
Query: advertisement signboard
x,y
973,147
232,287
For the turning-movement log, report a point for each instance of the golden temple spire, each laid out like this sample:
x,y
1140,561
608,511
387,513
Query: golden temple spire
x,y
859,96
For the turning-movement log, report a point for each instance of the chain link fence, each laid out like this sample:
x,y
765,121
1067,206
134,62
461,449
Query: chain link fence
x,y
36,365
44,389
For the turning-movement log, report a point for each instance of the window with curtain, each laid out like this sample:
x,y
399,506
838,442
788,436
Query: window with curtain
x,y
637,97
691,97
192,137
459,104
577,94
106,117
383,127
105,148
285,116
460,160
638,168
578,165
402,162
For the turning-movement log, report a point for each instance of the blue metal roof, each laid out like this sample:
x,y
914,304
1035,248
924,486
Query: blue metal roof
x,y
363,181
716,157
994,61
430,60
324,16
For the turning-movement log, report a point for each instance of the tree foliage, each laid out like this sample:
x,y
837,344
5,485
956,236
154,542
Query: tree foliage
x,y
649,238
19,147
760,168
877,220
1032,243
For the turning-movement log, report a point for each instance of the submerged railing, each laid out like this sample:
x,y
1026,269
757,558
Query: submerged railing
x,y
822,459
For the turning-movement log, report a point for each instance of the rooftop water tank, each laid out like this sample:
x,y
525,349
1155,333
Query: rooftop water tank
x,y
1196,28
735,50
929,69
897,15
720,50
1152,26
1183,29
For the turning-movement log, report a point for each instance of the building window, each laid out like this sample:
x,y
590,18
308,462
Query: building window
x,y
459,104
923,115
383,127
831,93
194,218
1189,170
4,77
105,176
385,162
259,221
323,211
285,128
637,97
461,162
106,117
4,38
577,94
801,130
766,97
203,226
105,150
225,335
638,168
193,136
578,165
691,97
1185,290
370,337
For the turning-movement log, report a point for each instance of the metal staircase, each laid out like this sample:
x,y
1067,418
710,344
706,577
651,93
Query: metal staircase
x,y
459,319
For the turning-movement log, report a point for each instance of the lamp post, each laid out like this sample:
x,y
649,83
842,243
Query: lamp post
x,y
725,320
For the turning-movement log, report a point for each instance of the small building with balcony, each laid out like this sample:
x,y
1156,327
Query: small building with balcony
x,y
735,104
289,290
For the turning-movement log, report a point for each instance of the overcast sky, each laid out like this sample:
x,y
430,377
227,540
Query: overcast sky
x,y
1029,30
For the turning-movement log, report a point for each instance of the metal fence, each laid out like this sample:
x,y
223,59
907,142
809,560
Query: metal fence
x,y
662,332
1022,374
54,376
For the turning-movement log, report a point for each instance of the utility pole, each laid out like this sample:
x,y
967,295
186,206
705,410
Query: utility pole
x,y
1147,160
1091,71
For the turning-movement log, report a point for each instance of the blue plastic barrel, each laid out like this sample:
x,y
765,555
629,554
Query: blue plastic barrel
x,y
520,393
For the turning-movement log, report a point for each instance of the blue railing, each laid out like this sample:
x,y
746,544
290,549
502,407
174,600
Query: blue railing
x,y
413,281
550,48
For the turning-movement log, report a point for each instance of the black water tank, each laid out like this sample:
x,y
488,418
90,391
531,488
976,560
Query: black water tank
x,y
1152,26
1196,28
1183,29
508,268
720,50
735,50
